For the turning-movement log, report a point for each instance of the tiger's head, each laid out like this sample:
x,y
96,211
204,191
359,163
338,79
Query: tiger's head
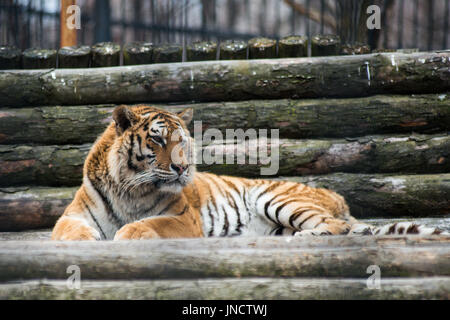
x,y
152,149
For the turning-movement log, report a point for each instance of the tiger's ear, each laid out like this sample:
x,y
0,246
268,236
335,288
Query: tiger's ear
x,y
186,115
124,118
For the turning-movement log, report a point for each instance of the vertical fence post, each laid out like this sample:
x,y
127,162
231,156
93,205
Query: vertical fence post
x,y
68,36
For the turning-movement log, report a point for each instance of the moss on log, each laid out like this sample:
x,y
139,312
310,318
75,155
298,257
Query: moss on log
x,y
338,256
167,53
201,51
105,54
230,289
62,165
340,76
388,196
233,50
10,57
139,52
35,58
294,118
262,48
325,45
356,48
26,208
42,165
54,125
377,154
293,46
74,57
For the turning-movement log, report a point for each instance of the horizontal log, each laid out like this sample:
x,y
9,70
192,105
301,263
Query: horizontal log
x,y
312,118
388,196
339,256
25,208
338,76
230,289
443,223
367,195
294,118
62,165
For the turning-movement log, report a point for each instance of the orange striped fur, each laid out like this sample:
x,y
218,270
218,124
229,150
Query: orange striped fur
x,y
134,189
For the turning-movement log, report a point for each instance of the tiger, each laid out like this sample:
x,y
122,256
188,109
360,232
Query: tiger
x,y
139,182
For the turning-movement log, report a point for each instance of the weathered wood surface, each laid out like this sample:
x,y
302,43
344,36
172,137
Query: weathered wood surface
x,y
137,53
74,57
201,51
233,50
342,76
262,48
443,223
25,208
62,165
367,195
35,58
229,289
311,118
10,57
293,46
105,54
339,256
388,196
325,45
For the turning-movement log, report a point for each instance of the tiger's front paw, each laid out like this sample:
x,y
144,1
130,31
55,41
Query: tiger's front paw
x,y
135,231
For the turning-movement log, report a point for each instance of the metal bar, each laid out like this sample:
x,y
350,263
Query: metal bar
x,y
416,23
308,27
400,24
102,21
322,14
430,24
445,25
384,22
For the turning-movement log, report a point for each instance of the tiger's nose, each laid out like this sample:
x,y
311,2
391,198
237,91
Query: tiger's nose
x,y
178,169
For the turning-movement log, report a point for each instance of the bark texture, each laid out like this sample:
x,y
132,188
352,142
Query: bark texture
x,y
339,76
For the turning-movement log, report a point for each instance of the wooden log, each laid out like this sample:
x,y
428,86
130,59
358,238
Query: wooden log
x,y
10,57
105,54
388,196
42,165
26,208
294,118
341,76
367,195
35,58
336,256
356,48
230,289
135,53
167,53
233,50
293,46
325,45
262,48
74,57
443,223
201,51
377,154
62,165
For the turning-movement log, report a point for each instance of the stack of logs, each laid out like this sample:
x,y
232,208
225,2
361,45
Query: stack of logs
x,y
378,135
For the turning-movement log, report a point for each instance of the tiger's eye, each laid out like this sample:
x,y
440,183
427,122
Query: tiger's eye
x,y
157,139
